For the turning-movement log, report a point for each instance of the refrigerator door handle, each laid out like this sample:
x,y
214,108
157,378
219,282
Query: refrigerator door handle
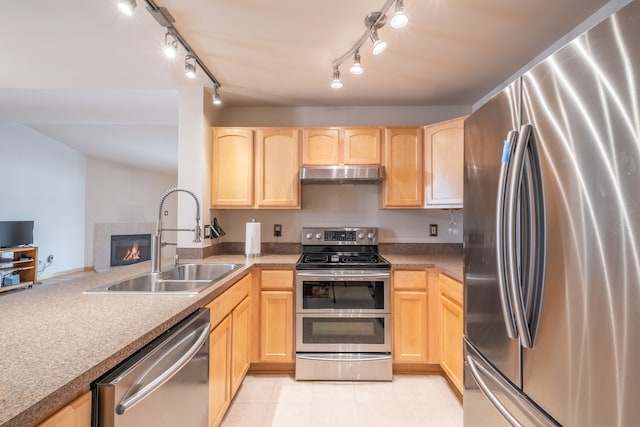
x,y
505,296
525,307
477,377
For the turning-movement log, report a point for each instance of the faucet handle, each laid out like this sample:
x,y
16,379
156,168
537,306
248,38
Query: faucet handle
x,y
196,233
176,260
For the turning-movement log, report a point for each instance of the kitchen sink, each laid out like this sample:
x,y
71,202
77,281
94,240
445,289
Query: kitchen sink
x,y
186,279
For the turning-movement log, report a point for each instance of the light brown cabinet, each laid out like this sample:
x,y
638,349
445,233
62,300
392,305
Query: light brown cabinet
x,y
403,185
451,324
21,262
410,316
277,164
229,346
75,414
276,316
232,167
255,168
341,146
219,367
444,163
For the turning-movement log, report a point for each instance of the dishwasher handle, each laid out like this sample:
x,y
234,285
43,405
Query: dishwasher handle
x,y
128,401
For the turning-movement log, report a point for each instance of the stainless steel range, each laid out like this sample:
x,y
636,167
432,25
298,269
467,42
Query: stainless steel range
x,y
343,306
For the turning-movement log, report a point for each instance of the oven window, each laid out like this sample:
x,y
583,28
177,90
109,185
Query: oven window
x,y
341,330
343,295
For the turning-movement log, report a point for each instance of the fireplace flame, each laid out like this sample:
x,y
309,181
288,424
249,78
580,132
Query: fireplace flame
x,y
133,253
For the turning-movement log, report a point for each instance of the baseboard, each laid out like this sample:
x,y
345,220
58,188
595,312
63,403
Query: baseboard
x,y
272,368
417,368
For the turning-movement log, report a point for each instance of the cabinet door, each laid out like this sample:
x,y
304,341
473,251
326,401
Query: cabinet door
x,y
276,326
277,180
75,414
444,146
240,326
451,340
321,147
361,146
219,378
410,340
232,167
404,168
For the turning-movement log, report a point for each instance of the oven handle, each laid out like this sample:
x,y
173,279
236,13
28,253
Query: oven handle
x,y
326,275
339,357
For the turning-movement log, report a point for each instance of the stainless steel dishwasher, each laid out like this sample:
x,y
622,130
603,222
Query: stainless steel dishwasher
x,y
166,384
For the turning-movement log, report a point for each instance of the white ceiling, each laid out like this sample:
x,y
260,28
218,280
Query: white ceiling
x,y
84,74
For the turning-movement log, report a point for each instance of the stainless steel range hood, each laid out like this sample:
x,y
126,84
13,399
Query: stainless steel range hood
x,y
341,174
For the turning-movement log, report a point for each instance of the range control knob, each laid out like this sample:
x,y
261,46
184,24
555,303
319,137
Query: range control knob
x,y
308,235
361,235
318,236
371,235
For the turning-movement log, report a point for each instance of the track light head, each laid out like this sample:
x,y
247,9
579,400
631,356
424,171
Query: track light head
x,y
190,66
336,83
170,44
127,6
356,68
378,45
216,95
399,19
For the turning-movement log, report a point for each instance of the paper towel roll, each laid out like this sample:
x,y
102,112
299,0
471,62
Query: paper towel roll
x,y
252,239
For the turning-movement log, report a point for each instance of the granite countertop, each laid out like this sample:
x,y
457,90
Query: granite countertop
x,y
57,340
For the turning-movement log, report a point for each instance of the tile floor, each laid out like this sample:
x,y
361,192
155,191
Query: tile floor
x,y
407,401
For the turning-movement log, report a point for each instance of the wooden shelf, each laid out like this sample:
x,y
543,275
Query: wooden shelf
x,y
22,261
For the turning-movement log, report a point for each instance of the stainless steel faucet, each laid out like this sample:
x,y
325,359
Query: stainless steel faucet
x,y
156,241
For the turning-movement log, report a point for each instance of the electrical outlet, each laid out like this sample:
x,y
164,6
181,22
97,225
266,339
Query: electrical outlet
x,y
50,259
277,230
433,230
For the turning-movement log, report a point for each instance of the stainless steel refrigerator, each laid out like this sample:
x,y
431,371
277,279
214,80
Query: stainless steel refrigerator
x,y
552,239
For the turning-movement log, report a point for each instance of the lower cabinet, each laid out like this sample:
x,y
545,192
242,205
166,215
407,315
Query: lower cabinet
x,y
410,316
451,324
75,414
229,346
276,316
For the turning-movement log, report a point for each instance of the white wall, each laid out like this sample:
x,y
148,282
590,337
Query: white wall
x,y
117,193
44,181
341,116
343,205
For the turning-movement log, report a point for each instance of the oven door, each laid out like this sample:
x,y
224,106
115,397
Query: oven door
x,y
342,291
343,332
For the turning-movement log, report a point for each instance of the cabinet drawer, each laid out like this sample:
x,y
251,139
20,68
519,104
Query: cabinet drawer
x,y
276,279
410,280
451,288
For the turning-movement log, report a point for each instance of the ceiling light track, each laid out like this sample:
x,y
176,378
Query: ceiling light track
x,y
373,21
164,18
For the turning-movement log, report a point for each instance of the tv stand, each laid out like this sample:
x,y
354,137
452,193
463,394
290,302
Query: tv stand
x,y
20,263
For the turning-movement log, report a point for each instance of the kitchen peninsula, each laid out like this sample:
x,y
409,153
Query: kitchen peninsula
x,y
50,359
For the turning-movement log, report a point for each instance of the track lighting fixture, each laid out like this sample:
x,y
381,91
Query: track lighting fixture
x,y
378,45
171,40
127,6
190,66
356,68
170,44
399,19
373,21
216,96
336,83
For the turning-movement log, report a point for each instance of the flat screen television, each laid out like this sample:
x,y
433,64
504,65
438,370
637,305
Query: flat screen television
x,y
15,233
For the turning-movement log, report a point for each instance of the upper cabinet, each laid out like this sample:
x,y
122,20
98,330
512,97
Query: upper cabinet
x,y
255,168
277,181
340,146
444,163
232,167
404,168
